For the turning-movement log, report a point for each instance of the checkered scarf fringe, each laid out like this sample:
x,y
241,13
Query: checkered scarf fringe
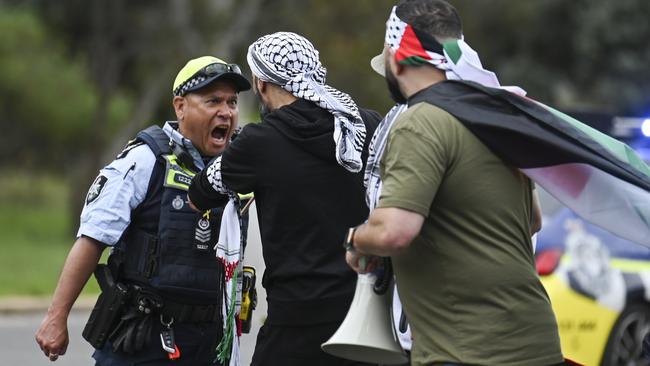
x,y
291,61
371,178
229,251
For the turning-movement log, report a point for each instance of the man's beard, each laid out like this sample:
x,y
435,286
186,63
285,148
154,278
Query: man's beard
x,y
393,87
264,109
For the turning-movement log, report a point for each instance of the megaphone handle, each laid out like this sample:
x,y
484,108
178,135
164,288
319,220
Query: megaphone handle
x,y
386,277
363,263
403,324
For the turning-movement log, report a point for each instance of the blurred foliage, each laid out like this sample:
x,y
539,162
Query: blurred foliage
x,y
33,189
577,55
346,33
58,57
47,98
79,78
35,238
611,40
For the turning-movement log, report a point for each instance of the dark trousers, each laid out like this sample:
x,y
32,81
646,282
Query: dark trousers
x,y
296,346
196,342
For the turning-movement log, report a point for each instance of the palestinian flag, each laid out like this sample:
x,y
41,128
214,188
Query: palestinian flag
x,y
597,176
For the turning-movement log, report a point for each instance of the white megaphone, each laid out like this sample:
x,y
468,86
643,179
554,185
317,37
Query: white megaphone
x,y
367,333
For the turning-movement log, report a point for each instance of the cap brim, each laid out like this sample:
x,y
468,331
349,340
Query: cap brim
x,y
241,84
378,64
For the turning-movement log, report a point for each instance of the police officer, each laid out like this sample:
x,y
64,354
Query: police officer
x,y
162,251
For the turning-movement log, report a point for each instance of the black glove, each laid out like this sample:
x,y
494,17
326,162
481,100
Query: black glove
x,y
143,332
132,333
123,335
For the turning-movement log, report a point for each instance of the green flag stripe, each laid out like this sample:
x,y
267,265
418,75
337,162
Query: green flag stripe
x,y
414,61
453,50
617,148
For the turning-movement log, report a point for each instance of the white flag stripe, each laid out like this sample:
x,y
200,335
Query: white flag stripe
x,y
604,200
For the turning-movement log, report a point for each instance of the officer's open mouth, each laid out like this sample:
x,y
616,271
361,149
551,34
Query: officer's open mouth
x,y
220,132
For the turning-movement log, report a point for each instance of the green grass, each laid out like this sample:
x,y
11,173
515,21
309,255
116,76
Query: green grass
x,y
37,234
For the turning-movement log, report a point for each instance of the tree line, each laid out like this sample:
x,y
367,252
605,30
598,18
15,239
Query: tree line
x,y
78,78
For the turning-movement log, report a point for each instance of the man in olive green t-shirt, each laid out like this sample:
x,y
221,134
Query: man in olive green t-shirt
x,y
454,218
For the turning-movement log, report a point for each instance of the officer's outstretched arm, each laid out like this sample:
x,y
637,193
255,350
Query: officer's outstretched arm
x,y
52,336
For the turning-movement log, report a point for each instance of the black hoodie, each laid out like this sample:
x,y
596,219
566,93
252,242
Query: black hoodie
x,y
305,203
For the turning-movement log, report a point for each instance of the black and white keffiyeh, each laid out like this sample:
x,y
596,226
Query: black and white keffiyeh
x,y
372,181
229,251
371,177
291,61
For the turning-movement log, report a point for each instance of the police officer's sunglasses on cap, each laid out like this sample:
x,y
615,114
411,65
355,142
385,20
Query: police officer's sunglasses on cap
x,y
217,69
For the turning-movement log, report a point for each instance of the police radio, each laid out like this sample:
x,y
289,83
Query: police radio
x,y
183,156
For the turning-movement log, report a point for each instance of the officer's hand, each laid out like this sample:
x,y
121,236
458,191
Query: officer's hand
x,y
361,263
52,336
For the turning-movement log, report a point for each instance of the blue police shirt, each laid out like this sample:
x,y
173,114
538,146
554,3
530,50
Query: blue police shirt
x,y
121,186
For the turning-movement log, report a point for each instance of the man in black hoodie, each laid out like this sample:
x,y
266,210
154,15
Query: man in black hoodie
x,y
302,162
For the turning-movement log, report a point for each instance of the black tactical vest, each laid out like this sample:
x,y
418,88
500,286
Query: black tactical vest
x,y
169,247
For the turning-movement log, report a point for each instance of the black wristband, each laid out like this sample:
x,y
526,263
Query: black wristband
x,y
202,195
348,243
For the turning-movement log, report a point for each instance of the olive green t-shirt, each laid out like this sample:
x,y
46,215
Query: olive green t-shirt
x,y
467,282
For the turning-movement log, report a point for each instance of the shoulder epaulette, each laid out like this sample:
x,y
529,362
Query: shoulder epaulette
x,y
156,139
129,146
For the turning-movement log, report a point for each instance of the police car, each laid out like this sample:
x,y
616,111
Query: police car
x,y
599,285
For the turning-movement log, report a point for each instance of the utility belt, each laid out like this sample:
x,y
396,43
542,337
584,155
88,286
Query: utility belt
x,y
146,300
124,314
189,313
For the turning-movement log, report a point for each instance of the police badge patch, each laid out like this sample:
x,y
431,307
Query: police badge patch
x,y
178,203
96,188
203,232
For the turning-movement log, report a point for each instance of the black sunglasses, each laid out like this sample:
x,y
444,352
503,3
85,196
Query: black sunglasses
x,y
217,68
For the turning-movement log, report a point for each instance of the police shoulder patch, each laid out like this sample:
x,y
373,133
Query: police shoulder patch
x,y
96,188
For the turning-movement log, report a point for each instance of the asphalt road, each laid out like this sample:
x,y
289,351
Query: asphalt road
x,y
17,328
20,349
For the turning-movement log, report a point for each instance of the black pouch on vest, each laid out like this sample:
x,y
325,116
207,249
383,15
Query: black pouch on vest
x,y
108,308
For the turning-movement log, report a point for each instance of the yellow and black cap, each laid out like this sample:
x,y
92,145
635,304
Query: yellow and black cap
x,y
202,71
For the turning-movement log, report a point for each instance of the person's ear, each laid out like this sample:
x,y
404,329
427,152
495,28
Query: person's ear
x,y
179,107
261,85
395,67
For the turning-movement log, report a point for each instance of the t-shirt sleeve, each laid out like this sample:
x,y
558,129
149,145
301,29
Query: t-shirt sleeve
x,y
415,159
118,189
238,169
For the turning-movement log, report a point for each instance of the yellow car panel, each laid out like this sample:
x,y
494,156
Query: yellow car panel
x,y
584,325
